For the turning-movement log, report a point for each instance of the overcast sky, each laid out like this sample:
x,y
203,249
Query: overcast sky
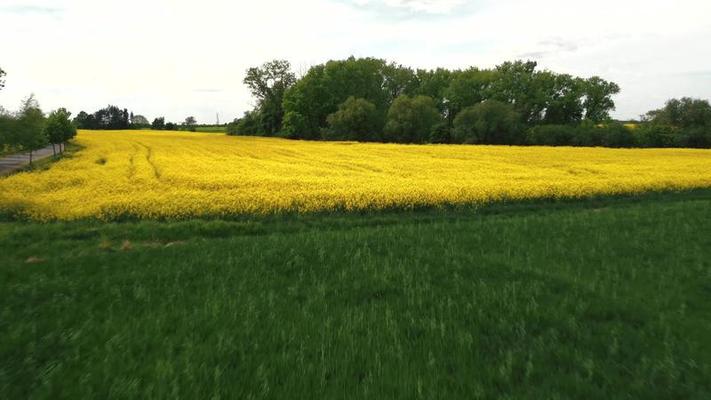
x,y
176,58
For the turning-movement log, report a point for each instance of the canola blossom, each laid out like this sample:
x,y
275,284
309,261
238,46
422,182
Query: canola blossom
x,y
147,174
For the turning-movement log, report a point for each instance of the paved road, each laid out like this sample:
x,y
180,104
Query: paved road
x,y
16,161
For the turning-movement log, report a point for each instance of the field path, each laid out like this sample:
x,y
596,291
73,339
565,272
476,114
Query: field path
x,y
16,161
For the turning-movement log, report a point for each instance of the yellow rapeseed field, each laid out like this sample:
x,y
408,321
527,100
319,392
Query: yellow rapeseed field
x,y
149,174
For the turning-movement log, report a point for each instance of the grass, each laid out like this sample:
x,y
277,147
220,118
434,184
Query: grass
x,y
211,128
599,299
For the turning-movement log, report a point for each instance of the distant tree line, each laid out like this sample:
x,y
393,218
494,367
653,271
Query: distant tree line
x,y
369,99
113,118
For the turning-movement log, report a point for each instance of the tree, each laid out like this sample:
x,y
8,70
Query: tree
x,y
324,87
268,83
682,113
356,119
139,121
411,119
158,124
190,123
490,122
516,83
2,78
435,84
249,124
467,88
59,129
564,94
171,126
598,98
30,126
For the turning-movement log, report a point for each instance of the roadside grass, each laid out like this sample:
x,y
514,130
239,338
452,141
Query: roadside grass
x,y
604,298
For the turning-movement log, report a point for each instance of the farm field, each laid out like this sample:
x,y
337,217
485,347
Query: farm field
x,y
600,299
145,174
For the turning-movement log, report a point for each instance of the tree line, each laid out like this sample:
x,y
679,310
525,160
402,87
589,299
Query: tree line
x,y
29,129
113,117
370,99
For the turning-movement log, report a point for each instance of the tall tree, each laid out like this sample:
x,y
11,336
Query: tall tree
x,y
30,126
268,83
59,128
598,98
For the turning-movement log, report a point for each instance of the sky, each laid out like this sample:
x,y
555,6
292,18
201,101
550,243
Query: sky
x,y
176,58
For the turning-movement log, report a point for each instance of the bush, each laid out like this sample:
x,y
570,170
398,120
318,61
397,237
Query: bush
x,y
490,122
410,119
356,119
556,135
249,124
441,133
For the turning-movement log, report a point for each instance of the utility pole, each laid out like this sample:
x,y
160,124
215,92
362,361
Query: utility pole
x,y
218,118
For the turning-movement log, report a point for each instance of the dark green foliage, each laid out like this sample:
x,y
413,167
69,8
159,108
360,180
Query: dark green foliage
x,y
58,128
411,119
441,133
111,117
598,98
467,88
589,134
490,122
249,125
29,134
595,300
356,119
682,113
171,126
158,123
190,123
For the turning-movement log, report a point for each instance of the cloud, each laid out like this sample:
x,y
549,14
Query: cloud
x,y
549,47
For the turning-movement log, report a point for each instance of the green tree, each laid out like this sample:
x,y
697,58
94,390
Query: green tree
x,y
467,88
296,126
489,122
516,83
434,83
564,97
30,134
598,98
356,119
324,87
268,83
682,113
190,123
249,124
411,119
158,124
59,128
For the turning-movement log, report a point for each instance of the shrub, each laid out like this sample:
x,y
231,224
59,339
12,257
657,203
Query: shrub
x,y
491,122
556,135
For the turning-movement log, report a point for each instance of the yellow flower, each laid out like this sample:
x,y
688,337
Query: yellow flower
x,y
150,174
